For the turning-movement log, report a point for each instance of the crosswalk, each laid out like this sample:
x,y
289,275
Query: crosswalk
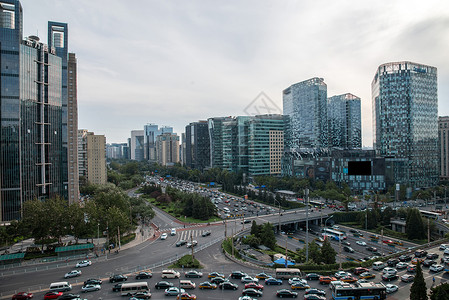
x,y
186,234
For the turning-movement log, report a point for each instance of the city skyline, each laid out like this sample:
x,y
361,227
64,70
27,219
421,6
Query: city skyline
x,y
208,59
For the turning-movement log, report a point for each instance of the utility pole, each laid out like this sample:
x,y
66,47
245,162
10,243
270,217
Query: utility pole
x,y
191,243
339,249
382,242
286,252
118,233
307,223
98,235
226,228
428,231
232,241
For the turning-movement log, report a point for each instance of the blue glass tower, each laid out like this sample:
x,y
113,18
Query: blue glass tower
x,y
345,121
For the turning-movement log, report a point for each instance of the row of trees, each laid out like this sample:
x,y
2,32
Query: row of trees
x,y
261,235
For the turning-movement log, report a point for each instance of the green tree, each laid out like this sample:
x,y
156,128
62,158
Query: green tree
x,y
328,253
254,228
440,292
414,225
418,290
266,236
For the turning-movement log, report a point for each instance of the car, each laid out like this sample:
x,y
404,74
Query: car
x,y
173,291
444,247
389,270
253,285
84,263
316,292
361,243
392,262
446,251
262,275
73,273
144,275
205,233
90,288
326,279
227,285
191,244
22,295
93,281
436,268
273,281
420,253
371,249
388,242
391,288
360,270
367,275
52,295
163,285
405,257
218,280
207,286
118,278
173,231
313,276
389,277
346,243
348,249
415,260
300,286
117,287
349,279
193,274
186,296
341,274
432,256
248,279
411,269
296,279
142,295
70,297
401,265
238,274
181,243
407,278
164,236
215,274
284,293
252,293
246,298
314,297
429,262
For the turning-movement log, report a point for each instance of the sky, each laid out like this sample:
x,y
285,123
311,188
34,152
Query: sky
x,y
172,62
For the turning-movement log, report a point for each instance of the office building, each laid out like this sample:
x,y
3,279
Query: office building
x,y
443,138
151,132
405,120
34,114
137,145
92,157
72,130
345,121
167,149
117,151
216,126
197,145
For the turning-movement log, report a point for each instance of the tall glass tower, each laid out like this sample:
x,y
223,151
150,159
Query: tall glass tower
x,y
345,121
405,119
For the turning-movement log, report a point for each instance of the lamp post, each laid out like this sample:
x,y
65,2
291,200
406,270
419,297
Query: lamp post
x,y
279,221
307,223
325,222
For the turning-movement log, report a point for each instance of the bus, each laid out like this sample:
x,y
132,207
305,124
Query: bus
x,y
334,234
316,203
366,290
287,273
129,289
430,214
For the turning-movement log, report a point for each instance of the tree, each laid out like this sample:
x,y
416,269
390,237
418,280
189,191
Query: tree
x,y
418,290
414,225
266,236
440,292
254,228
328,253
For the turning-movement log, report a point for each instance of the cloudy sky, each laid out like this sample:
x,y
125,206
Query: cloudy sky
x,y
172,62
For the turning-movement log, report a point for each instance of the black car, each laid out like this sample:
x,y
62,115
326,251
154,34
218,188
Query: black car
x,y
144,275
181,243
389,277
316,292
217,280
93,281
205,233
372,249
313,276
238,275
163,285
118,278
69,297
193,274
405,257
252,293
142,295
432,256
286,294
392,262
420,253
429,262
346,243
348,249
227,285
117,287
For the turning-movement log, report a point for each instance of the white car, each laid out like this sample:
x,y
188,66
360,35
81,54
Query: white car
x,y
73,273
444,246
91,288
401,265
84,263
164,236
389,270
341,274
436,268
446,251
361,243
173,291
296,280
249,279
391,288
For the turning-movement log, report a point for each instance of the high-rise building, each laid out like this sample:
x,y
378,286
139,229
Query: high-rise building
x,y
197,145
151,132
92,156
443,138
34,114
405,119
117,151
167,149
305,105
345,121
137,145
216,140
72,130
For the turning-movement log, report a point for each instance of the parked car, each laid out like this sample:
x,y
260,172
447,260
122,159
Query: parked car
x,y
284,293
193,274
84,263
429,262
118,278
432,256
73,273
411,269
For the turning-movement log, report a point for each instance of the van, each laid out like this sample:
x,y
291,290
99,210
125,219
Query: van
x,y
378,265
186,284
62,286
173,231
170,274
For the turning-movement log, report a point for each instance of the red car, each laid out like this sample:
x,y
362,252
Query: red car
x,y
253,285
22,295
360,270
52,295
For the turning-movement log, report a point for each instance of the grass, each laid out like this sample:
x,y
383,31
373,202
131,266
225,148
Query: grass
x,y
186,262
172,210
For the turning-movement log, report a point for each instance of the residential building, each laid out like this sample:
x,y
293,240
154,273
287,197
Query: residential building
x,y
345,121
92,157
167,149
197,145
405,120
137,145
443,137
34,115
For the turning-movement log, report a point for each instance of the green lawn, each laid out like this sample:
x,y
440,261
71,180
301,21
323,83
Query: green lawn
x,y
172,209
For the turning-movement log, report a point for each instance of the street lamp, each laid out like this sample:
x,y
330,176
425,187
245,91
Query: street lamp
x,y
307,223
279,222
325,222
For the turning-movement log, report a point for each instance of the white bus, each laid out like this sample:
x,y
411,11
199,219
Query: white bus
x,y
128,289
287,273
430,214
334,234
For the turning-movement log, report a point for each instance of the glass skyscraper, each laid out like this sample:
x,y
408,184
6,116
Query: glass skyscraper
x,y
33,159
197,145
345,121
405,119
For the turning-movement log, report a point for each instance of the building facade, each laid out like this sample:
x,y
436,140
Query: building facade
x,y
92,157
197,145
443,138
72,130
216,126
345,121
405,119
117,151
137,146
167,149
